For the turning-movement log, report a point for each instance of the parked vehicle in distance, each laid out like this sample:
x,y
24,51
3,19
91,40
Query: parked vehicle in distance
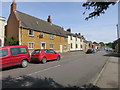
x,y
44,55
90,51
14,55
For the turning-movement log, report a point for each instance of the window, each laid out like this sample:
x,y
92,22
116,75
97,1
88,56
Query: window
x,y
51,36
3,52
31,45
71,45
37,51
76,46
31,33
51,46
81,46
41,35
71,37
65,46
81,40
16,51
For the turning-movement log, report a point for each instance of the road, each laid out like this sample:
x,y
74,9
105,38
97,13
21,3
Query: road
x,y
74,70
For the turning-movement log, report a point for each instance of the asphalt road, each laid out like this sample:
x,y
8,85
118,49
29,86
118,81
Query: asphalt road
x,y
73,70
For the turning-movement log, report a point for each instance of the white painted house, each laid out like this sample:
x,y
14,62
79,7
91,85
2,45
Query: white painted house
x,y
75,41
2,31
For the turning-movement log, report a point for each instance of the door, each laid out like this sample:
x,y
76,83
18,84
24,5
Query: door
x,y
43,45
60,48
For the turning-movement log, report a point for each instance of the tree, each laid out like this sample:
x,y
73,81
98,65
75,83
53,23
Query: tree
x,y
98,7
9,41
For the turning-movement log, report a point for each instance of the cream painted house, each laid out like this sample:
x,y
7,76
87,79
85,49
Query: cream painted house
x,y
2,31
75,41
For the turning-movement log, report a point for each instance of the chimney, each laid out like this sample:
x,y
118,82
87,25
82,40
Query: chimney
x,y
49,19
13,6
76,34
79,34
69,30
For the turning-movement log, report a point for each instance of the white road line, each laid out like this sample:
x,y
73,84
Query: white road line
x,y
43,70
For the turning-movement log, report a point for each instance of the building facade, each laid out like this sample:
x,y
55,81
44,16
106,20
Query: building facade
x,y
34,32
2,31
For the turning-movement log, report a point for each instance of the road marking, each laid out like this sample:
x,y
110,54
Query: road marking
x,y
43,70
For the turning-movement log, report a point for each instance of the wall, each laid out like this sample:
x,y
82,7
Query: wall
x,y
57,41
2,31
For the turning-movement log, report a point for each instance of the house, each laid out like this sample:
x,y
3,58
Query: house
x,y
34,32
75,41
2,31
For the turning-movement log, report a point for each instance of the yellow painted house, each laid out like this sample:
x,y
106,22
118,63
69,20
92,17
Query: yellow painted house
x,y
34,32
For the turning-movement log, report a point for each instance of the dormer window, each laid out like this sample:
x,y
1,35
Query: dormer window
x,y
51,36
31,33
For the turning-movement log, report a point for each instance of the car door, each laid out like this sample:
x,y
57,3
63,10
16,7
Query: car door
x,y
53,54
5,58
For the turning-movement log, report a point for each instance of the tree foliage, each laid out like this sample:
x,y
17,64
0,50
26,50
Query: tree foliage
x,y
9,41
98,7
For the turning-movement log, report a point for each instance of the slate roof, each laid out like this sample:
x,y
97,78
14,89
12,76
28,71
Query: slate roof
x,y
33,23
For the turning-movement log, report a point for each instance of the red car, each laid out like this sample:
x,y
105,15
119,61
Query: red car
x,y
44,55
14,55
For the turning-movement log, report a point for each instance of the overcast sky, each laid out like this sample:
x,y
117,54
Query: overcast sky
x,y
70,15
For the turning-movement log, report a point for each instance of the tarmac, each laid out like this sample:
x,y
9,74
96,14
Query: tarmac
x,y
108,76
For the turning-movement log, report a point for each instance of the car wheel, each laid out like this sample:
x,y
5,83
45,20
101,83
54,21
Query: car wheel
x,y
58,58
24,63
44,60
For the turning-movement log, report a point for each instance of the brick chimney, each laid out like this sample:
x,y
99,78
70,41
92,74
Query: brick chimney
x,y
49,19
69,30
13,6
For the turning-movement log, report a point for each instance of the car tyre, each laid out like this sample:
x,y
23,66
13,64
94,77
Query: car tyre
x,y
24,63
58,58
44,60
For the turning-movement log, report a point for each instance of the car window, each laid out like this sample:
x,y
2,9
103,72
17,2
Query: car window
x,y
46,51
37,51
16,51
50,51
3,52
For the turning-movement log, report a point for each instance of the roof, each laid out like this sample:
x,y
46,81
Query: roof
x,y
33,23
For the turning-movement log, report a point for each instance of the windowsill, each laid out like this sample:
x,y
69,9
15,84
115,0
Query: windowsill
x,y
30,48
31,35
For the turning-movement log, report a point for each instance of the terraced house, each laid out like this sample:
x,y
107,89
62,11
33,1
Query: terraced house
x,y
34,32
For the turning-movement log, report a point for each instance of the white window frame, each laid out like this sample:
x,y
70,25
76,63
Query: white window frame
x,y
29,33
31,46
52,47
41,44
51,36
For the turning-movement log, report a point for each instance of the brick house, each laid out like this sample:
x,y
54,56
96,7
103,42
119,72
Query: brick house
x,y
34,32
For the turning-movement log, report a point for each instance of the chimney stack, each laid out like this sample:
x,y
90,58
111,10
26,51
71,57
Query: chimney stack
x,y
13,6
69,30
79,34
49,19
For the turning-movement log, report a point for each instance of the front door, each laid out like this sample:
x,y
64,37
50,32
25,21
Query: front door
x,y
43,45
60,48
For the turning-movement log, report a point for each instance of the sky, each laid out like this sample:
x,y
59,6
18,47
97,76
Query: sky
x,y
70,15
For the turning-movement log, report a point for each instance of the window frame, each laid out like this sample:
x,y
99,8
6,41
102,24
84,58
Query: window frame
x,y
30,46
31,35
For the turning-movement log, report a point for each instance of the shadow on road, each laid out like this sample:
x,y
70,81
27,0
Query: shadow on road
x,y
112,55
30,82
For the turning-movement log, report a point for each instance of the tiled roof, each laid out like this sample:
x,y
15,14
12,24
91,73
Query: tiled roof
x,y
33,23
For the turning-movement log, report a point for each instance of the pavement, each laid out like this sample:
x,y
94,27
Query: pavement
x,y
108,77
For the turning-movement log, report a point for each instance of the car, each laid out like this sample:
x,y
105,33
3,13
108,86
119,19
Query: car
x,y
90,51
43,55
14,55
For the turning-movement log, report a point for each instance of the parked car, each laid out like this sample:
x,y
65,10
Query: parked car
x,y
14,55
44,55
90,51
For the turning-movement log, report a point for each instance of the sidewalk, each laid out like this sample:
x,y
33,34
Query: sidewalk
x,y
108,77
75,53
